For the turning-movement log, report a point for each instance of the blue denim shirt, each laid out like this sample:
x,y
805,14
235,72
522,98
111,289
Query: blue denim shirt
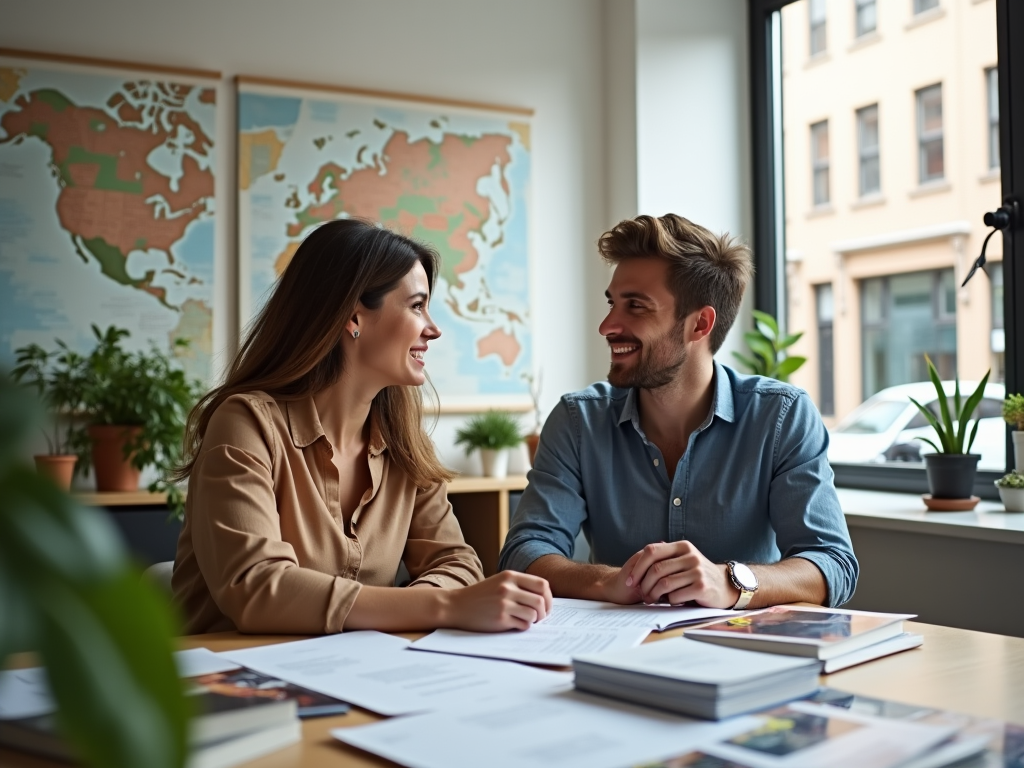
x,y
754,484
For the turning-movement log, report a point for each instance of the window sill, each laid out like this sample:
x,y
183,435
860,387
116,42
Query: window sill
x,y
906,512
926,17
865,40
868,201
817,59
817,211
930,188
994,174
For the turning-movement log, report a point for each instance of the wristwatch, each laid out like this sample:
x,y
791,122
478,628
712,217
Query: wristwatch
x,y
744,580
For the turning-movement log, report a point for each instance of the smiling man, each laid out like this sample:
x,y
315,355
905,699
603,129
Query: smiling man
x,y
690,481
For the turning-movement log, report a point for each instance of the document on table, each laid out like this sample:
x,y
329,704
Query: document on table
x,y
561,730
377,672
201,661
568,612
540,644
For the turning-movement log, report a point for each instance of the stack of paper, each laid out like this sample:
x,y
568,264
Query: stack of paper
x,y
837,637
696,678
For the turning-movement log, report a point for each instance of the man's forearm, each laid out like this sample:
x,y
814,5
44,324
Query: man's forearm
x,y
571,579
793,580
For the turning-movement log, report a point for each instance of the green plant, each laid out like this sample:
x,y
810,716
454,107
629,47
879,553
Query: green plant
x,y
68,593
1013,410
951,427
491,430
58,377
768,349
1012,480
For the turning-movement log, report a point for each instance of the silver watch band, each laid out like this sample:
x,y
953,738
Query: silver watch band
x,y
745,597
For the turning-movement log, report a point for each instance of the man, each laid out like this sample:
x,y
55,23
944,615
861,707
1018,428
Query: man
x,y
690,481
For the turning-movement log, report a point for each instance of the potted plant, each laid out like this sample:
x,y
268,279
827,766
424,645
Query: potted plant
x,y
1013,412
768,349
951,469
58,378
532,439
1011,491
492,433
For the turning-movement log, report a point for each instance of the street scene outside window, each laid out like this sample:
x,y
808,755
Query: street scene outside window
x,y
891,159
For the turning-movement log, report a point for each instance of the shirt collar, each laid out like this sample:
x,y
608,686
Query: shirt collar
x,y
305,428
722,404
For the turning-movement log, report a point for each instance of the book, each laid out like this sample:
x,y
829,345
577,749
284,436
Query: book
x,y
818,633
39,736
698,679
901,642
244,683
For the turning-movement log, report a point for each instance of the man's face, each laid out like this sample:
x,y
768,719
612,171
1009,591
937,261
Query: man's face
x,y
644,336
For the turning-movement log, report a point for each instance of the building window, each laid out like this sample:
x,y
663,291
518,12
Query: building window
x,y
816,13
992,83
865,17
867,149
920,6
929,134
903,318
819,162
826,369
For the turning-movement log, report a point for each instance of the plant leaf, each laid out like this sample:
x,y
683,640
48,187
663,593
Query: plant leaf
x,y
933,445
788,366
968,411
974,434
790,340
750,364
947,421
946,448
764,317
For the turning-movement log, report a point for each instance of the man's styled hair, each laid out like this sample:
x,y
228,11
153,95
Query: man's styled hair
x,y
704,269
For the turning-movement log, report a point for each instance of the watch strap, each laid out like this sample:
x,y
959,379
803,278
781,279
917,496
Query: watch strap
x,y
746,594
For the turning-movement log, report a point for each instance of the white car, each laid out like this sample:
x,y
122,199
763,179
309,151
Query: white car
x,y
883,428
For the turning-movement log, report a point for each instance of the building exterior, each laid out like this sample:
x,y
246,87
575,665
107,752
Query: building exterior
x,y
891,160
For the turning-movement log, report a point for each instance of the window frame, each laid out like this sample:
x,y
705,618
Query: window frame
x,y
866,154
813,25
826,348
916,6
926,138
992,73
858,7
820,165
768,200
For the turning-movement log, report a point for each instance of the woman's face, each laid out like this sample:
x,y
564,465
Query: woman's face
x,y
393,339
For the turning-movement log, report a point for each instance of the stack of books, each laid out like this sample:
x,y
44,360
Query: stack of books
x,y
836,637
696,678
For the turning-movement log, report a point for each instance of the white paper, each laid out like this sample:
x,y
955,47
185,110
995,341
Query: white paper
x,y
540,644
24,693
564,730
375,671
201,661
569,612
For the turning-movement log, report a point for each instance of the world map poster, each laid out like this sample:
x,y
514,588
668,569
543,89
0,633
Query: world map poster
x,y
106,208
455,178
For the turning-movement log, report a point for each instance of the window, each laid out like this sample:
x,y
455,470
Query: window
x,y
865,19
998,340
826,377
992,87
867,148
920,6
819,162
816,14
929,134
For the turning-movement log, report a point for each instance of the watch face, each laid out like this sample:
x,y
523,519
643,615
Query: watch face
x,y
744,576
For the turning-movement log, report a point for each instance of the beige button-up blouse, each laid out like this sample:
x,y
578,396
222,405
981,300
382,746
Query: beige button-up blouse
x,y
265,546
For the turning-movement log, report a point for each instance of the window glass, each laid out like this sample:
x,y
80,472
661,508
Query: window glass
x,y
826,376
920,6
820,162
865,21
816,15
867,145
929,133
992,90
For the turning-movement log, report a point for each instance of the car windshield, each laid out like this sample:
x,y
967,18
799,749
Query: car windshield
x,y
872,418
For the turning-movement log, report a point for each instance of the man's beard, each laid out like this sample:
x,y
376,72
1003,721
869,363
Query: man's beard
x,y
659,363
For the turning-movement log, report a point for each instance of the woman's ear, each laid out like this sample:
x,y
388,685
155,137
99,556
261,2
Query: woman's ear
x,y
352,326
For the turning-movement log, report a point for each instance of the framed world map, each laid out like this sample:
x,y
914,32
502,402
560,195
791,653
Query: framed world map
x,y
107,178
452,175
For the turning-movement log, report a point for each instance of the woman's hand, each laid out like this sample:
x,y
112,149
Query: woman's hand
x,y
508,600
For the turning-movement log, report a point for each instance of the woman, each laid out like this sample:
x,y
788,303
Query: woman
x,y
310,474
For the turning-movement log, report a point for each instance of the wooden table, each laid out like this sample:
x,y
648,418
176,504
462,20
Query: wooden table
x,y
957,669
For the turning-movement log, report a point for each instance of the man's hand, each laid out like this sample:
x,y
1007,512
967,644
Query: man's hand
x,y
677,572
615,586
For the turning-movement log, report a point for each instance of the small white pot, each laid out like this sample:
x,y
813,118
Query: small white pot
x,y
1012,498
495,462
1018,450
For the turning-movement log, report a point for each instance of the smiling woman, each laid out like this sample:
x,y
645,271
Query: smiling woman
x,y
310,475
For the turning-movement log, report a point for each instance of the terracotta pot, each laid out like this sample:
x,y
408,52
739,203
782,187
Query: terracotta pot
x,y
113,471
532,441
60,469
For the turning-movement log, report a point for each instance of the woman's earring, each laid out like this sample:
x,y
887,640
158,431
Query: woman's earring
x,y
355,334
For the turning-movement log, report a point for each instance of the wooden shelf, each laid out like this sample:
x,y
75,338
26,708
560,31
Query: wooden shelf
x,y
121,499
477,484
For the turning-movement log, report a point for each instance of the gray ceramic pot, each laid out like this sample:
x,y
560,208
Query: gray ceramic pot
x,y
951,475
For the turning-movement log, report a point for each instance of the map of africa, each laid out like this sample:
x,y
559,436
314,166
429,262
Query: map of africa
x,y
455,179
106,211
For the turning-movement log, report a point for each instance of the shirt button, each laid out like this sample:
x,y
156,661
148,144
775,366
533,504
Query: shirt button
x,y
656,462
677,501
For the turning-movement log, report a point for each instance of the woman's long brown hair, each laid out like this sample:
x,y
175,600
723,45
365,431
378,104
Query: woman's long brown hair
x,y
293,348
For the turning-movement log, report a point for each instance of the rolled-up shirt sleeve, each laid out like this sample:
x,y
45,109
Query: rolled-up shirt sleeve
x,y
435,552
803,505
252,574
553,507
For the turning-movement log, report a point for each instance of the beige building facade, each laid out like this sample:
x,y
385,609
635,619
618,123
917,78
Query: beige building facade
x,y
890,164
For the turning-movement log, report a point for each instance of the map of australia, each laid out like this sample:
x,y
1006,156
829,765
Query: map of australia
x,y
456,181
106,211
